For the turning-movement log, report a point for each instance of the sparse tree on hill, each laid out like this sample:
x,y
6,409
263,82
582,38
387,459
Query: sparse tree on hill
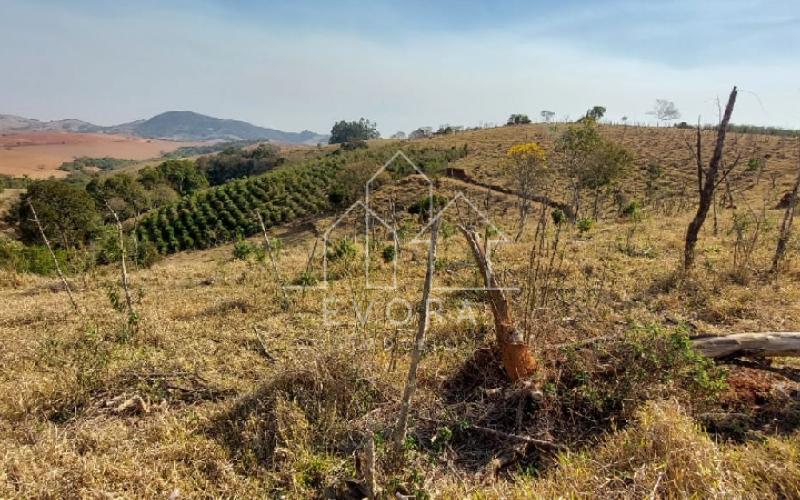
x,y
665,111
547,116
361,130
608,163
708,179
421,133
596,113
518,119
575,148
529,170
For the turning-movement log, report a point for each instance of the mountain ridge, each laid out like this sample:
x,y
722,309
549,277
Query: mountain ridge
x,y
170,125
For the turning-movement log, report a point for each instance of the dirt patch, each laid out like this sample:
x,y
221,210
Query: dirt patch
x,y
757,402
38,155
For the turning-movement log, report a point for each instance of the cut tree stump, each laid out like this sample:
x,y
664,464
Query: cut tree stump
x,y
767,344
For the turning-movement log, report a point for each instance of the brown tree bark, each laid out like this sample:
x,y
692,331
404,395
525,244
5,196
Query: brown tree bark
x,y
708,182
786,225
419,342
518,361
767,344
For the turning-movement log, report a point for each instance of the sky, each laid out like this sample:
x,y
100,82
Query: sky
x,y
295,65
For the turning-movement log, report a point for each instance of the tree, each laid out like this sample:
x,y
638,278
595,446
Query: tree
x,y
399,135
608,163
181,175
547,116
665,111
67,214
361,130
708,180
575,148
233,163
528,169
126,195
589,161
596,113
518,119
421,133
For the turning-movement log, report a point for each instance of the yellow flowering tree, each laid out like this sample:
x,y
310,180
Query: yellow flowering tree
x,y
530,172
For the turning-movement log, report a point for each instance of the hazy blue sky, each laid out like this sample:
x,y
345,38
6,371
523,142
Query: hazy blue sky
x,y
295,65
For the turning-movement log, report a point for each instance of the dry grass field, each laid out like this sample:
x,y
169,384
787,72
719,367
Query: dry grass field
x,y
38,155
229,389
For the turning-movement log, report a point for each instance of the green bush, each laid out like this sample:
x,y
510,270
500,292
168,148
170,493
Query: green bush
x,y
34,259
389,252
613,377
342,249
242,249
631,210
585,224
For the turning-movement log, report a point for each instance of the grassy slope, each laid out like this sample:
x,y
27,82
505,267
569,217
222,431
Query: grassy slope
x,y
218,397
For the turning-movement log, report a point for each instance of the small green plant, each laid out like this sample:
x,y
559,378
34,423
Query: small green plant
x,y
585,225
306,278
389,253
242,249
558,216
631,210
342,249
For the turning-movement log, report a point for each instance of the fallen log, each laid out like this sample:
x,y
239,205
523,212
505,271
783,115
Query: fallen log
x,y
766,344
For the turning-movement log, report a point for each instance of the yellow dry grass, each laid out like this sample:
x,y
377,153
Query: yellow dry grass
x,y
224,390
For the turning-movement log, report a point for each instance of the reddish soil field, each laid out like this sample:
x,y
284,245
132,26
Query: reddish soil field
x,y
38,155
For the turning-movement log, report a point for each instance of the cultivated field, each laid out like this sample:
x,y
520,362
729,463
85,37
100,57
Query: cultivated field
x,y
231,388
38,155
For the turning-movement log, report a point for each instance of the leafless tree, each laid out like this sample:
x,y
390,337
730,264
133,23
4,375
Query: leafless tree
x,y
419,342
665,110
53,255
786,225
708,179
123,265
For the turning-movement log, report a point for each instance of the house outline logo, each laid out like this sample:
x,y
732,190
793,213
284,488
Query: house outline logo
x,y
370,214
503,239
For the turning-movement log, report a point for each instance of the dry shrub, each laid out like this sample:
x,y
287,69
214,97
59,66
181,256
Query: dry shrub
x,y
663,454
308,412
767,470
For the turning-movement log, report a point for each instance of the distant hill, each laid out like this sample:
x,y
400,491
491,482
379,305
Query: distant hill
x,y
11,123
172,125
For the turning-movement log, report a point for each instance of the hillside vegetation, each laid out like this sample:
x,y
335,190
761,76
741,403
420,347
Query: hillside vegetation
x,y
226,384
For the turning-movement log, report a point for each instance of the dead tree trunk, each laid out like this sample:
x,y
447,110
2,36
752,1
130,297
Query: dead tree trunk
x,y
767,344
419,342
123,265
786,225
268,247
708,181
518,361
53,255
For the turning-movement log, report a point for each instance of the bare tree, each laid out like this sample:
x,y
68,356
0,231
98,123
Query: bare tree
x,y
271,254
419,341
708,180
786,225
665,110
123,266
53,255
